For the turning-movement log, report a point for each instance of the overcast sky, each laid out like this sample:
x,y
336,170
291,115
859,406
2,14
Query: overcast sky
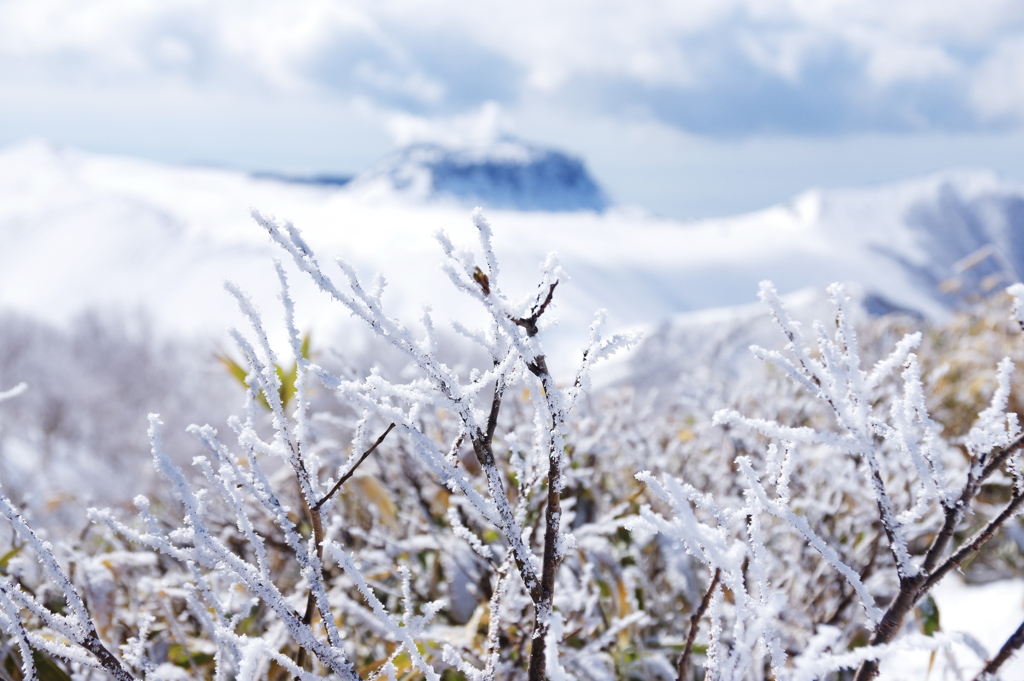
x,y
687,107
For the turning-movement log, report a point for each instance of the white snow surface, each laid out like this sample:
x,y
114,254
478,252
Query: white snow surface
x,y
81,229
987,613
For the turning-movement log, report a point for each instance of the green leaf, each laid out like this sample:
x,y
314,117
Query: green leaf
x,y
287,381
286,378
182,657
928,616
47,669
6,558
234,368
928,621
240,374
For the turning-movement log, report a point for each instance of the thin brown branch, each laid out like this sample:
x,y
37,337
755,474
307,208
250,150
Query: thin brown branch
x,y
955,511
530,323
912,590
484,450
547,301
890,524
975,543
344,478
684,659
316,521
954,514
318,538
543,594
105,657
1011,646
483,447
550,562
1000,458
849,592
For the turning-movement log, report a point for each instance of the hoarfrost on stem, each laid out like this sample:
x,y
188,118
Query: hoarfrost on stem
x,y
888,437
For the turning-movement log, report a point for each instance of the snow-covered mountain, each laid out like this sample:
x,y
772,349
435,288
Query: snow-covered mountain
x,y
953,234
82,230
506,174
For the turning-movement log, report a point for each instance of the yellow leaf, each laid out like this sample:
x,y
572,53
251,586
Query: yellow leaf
x,y
371,488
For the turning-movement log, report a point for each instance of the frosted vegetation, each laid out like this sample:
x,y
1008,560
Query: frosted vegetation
x,y
465,515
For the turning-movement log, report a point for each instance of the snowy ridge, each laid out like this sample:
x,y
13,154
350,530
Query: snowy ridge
x,y
956,233
716,342
82,230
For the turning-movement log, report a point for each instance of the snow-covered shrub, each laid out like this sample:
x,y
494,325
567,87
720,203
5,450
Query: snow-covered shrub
x,y
74,438
957,361
270,498
428,520
858,500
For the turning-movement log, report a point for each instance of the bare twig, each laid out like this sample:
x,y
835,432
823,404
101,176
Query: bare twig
x,y
1000,458
543,595
343,479
552,522
530,323
484,449
975,543
1011,646
318,532
912,590
684,659
955,511
110,663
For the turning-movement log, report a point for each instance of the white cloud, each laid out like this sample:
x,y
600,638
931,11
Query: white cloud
x,y
687,63
415,85
478,128
998,87
783,53
891,64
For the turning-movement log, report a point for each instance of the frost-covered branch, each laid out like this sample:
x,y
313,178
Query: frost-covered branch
x,y
77,627
511,339
684,658
889,438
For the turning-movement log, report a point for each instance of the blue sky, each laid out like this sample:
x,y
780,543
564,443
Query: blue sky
x,y
689,108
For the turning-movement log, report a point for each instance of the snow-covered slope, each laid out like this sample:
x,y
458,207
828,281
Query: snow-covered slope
x,y
953,234
80,230
505,174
